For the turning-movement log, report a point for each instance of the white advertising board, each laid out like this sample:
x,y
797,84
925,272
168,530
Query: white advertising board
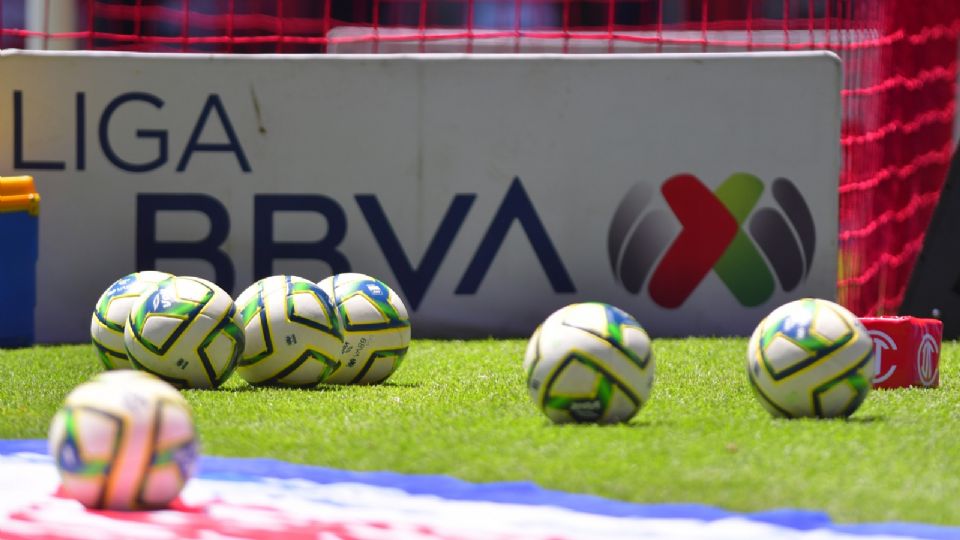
x,y
695,191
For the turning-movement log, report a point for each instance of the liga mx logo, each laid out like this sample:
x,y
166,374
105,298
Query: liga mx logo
x,y
721,231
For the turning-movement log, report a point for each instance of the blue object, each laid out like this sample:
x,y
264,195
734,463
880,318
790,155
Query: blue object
x,y
19,220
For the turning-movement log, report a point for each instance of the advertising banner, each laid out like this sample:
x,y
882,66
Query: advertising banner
x,y
695,191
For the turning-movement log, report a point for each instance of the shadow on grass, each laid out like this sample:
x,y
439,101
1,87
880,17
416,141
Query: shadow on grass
x,y
633,424
312,388
391,384
869,419
374,387
279,387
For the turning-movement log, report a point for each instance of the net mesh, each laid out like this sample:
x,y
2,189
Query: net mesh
x,y
899,95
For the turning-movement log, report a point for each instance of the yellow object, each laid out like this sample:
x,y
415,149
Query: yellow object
x,y
17,193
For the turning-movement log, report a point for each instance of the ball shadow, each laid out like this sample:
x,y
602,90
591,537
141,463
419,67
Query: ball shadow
x,y
399,384
387,384
266,387
633,424
870,419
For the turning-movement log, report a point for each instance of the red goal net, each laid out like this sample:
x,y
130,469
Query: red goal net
x,y
899,96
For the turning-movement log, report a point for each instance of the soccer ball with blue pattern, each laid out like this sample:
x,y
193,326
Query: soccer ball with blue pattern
x,y
589,362
292,334
110,316
186,331
125,440
810,358
376,328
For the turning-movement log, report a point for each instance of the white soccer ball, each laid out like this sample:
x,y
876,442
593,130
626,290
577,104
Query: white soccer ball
x,y
185,331
376,328
125,440
111,313
589,362
810,358
291,332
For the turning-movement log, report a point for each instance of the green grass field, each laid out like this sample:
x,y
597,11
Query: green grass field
x,y
461,408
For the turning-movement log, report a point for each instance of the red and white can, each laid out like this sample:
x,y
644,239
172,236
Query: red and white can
x,y
907,351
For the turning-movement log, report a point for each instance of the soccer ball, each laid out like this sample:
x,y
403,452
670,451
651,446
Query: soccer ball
x,y
291,332
185,331
111,313
376,328
810,358
589,362
125,440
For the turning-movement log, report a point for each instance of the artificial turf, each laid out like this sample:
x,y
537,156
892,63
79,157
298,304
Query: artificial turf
x,y
461,408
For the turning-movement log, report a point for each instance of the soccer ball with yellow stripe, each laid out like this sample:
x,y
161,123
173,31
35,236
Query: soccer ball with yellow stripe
x,y
810,358
124,440
186,331
291,333
589,362
376,328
